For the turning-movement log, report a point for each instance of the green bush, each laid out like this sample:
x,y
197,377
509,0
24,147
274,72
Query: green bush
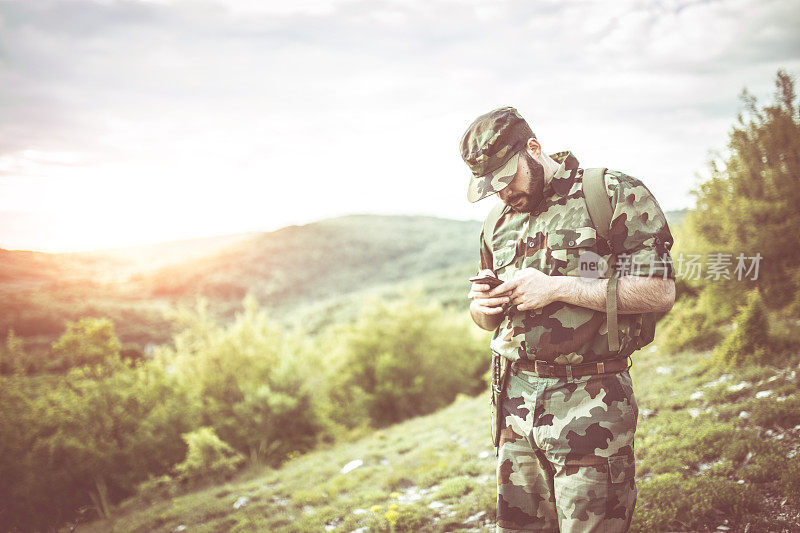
x,y
697,320
252,380
86,438
89,341
401,359
688,327
208,458
156,488
749,340
14,360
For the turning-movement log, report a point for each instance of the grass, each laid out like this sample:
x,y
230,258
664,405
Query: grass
x,y
701,463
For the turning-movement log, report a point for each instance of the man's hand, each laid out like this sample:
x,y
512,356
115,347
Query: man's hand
x,y
530,289
487,306
484,301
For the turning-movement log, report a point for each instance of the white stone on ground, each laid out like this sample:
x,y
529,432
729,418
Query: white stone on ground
x,y
241,502
352,465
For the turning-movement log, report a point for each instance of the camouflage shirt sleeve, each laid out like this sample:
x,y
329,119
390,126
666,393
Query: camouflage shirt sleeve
x,y
640,235
485,255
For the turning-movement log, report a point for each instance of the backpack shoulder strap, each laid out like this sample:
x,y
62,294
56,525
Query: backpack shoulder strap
x,y
600,211
491,221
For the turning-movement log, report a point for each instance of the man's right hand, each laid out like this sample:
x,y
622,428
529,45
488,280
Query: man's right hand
x,y
487,311
481,301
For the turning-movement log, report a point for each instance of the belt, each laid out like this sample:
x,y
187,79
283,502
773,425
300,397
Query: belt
x,y
546,369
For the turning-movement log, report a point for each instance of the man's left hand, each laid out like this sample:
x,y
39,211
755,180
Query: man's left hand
x,y
530,289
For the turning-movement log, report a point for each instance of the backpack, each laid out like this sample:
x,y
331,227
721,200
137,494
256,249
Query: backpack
x,y
600,211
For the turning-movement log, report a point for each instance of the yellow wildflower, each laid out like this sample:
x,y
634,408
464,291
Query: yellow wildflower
x,y
392,516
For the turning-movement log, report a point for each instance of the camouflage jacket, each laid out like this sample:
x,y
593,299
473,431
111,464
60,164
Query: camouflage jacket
x,y
551,239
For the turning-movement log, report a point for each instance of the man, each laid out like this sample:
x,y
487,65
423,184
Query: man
x,y
568,412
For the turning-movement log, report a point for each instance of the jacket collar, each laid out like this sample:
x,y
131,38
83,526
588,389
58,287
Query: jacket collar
x,y
564,176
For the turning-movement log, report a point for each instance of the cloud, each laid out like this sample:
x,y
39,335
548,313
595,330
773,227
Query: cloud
x,y
356,105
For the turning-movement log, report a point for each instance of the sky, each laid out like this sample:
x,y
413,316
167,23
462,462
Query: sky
x,y
126,122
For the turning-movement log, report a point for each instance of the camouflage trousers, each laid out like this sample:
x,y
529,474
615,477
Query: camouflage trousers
x,y
566,460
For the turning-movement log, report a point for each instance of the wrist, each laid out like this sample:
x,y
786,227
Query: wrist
x,y
564,287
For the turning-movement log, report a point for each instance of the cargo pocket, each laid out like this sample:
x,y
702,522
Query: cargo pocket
x,y
565,248
621,495
599,497
621,469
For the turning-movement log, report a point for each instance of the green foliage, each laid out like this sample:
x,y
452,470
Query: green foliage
x,y
208,458
299,265
448,286
673,501
156,488
749,340
790,481
89,341
688,326
696,322
14,360
770,413
105,430
446,457
401,359
87,437
455,488
751,203
250,379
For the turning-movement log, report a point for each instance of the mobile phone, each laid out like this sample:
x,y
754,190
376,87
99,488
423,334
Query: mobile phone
x,y
491,281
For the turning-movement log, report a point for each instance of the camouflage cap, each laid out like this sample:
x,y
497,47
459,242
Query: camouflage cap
x,y
490,147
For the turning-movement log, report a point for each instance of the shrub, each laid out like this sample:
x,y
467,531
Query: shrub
x,y
697,320
251,379
749,340
402,359
688,326
156,488
208,458
89,341
82,439
14,360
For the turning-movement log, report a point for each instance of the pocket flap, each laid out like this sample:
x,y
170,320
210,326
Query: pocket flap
x,y
504,256
621,468
582,237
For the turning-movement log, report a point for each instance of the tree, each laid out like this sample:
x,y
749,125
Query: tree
x,y
89,341
401,359
13,359
751,204
249,377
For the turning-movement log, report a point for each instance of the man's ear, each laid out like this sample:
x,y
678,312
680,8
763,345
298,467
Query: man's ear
x,y
534,147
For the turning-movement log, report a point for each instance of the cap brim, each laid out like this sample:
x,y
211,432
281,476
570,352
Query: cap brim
x,y
482,186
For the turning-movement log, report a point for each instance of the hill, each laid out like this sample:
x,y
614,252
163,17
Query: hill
x,y
300,265
284,269
713,449
313,273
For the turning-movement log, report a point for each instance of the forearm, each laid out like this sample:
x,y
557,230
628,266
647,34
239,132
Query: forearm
x,y
635,294
483,320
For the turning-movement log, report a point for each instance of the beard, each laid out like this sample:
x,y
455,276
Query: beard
x,y
528,201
